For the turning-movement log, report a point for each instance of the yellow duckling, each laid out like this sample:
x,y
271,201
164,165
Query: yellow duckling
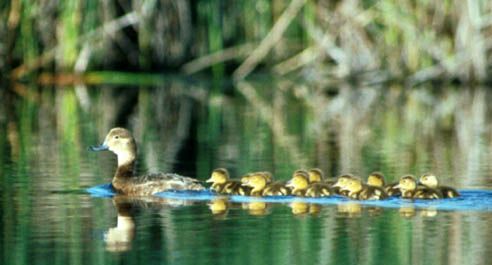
x,y
319,187
338,187
275,188
359,191
431,181
377,179
299,183
263,181
221,183
410,190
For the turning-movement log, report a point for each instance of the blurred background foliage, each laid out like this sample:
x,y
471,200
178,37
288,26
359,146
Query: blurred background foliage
x,y
411,40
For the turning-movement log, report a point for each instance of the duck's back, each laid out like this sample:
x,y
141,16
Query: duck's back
x,y
156,182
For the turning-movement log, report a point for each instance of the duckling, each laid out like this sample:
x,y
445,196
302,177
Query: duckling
x,y
359,191
377,179
275,188
340,184
257,183
121,142
319,187
221,183
410,190
317,175
299,183
431,181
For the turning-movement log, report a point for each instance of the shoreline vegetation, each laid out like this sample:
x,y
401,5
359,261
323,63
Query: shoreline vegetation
x,y
318,41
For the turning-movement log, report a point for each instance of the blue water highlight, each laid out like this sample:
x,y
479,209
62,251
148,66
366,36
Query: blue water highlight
x,y
470,200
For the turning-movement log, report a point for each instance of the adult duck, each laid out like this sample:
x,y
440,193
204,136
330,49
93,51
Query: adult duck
x,y
121,142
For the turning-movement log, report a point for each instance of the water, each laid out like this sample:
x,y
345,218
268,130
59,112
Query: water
x,y
47,217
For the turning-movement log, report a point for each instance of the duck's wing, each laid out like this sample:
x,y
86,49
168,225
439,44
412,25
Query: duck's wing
x,y
157,182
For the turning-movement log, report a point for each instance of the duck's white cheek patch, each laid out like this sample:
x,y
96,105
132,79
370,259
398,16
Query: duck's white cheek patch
x,y
125,158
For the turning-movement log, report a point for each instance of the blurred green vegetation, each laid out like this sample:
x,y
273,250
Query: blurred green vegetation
x,y
375,41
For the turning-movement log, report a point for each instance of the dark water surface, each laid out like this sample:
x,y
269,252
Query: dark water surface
x,y
47,217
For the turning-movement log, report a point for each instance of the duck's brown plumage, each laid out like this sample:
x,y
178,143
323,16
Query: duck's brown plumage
x,y
121,142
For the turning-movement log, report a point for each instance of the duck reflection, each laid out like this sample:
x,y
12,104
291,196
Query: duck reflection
x,y
120,237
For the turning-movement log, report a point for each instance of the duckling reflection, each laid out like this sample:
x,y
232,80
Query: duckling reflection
x,y
119,238
299,208
350,209
407,211
428,212
257,208
219,206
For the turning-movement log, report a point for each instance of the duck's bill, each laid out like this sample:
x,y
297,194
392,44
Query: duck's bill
x,y
209,180
97,148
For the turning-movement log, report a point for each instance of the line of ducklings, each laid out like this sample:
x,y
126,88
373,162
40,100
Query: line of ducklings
x,y
312,183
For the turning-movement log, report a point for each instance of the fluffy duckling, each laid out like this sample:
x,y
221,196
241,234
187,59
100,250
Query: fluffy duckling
x,y
338,187
121,142
258,181
377,179
275,188
317,175
359,191
431,181
410,190
221,183
319,187
299,183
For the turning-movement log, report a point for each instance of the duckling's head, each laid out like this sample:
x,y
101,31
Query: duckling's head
x,y
121,142
316,175
429,180
219,176
299,180
353,185
375,179
256,181
342,181
407,183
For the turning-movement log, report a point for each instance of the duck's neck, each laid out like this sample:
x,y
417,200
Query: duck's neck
x,y
126,167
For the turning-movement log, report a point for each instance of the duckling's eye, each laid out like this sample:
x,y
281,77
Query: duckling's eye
x,y
116,137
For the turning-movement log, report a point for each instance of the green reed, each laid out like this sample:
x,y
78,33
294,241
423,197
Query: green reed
x,y
414,40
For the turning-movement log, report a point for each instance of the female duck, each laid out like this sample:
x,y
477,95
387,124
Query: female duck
x,y
121,142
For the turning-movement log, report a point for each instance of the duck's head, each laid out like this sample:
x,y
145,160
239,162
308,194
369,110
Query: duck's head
x,y
407,183
353,185
219,176
429,180
342,181
119,141
299,180
376,179
256,180
316,175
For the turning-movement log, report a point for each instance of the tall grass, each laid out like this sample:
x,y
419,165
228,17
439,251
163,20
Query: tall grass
x,y
373,40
